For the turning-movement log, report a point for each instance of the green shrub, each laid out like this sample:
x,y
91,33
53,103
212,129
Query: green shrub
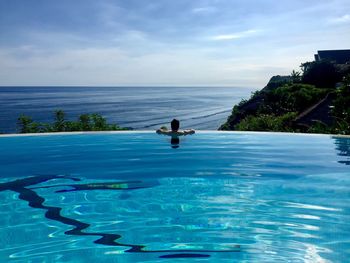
x,y
292,98
267,123
319,127
341,108
86,122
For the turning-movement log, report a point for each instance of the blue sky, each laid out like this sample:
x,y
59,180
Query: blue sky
x,y
164,42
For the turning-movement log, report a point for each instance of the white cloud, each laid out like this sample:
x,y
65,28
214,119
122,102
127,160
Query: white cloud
x,y
340,20
131,36
238,35
204,10
114,66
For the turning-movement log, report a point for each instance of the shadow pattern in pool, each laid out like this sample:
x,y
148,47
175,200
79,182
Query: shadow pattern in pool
x,y
27,193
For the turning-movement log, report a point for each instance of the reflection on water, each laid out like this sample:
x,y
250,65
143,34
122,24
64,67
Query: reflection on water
x,y
175,142
343,146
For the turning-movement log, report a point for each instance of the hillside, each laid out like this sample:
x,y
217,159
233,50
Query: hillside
x,y
317,100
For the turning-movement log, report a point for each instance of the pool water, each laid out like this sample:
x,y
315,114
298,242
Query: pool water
x,y
218,197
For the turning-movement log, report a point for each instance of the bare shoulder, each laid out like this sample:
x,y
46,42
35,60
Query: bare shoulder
x,y
175,133
162,131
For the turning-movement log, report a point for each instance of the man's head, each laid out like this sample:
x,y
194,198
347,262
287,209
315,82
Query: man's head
x,y
175,125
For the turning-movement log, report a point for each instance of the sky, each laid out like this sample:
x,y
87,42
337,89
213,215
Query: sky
x,y
238,43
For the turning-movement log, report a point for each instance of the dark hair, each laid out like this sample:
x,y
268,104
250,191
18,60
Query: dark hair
x,y
175,125
175,142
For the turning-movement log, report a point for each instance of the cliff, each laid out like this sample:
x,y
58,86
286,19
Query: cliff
x,y
316,101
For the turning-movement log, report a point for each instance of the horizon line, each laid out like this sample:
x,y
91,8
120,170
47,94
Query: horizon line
x,y
125,86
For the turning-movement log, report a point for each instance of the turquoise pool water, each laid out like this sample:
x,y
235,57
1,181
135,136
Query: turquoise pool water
x,y
131,197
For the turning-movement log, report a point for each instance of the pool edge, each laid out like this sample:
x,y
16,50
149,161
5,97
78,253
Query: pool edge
x,y
151,131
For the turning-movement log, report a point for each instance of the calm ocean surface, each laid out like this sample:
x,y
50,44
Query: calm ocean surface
x,y
136,107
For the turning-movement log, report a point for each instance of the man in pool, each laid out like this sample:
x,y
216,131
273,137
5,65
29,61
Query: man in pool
x,y
175,133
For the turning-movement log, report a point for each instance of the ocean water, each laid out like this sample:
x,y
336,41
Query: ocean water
x,y
230,197
135,107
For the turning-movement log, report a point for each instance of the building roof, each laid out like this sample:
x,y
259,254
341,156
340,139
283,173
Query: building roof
x,y
339,56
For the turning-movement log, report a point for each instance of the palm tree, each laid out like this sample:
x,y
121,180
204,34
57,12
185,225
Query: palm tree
x,y
296,76
60,123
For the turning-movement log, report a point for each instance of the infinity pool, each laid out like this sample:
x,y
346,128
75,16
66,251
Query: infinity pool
x,y
131,197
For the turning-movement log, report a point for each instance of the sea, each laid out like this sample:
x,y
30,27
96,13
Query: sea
x,y
139,108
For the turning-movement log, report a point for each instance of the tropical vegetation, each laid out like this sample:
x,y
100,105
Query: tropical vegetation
x,y
315,100
85,122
